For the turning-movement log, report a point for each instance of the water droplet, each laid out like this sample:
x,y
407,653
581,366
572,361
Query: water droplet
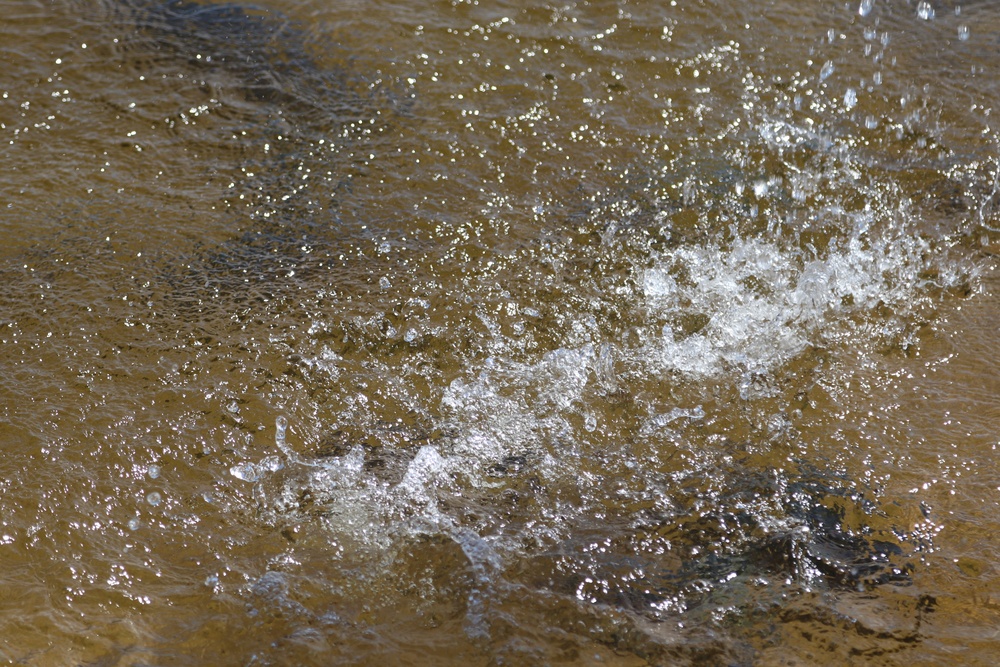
x,y
133,524
280,429
924,10
384,283
153,471
154,498
871,122
245,471
272,463
865,7
963,32
827,70
590,423
850,98
410,335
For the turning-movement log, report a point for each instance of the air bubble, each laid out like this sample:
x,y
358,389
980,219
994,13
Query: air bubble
x,y
154,498
134,524
153,471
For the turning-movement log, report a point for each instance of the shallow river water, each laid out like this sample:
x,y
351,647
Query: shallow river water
x,y
499,333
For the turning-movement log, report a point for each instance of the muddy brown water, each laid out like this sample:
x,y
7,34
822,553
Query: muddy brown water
x,y
473,333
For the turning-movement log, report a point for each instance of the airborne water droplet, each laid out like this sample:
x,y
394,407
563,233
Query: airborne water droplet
x,y
865,7
850,98
924,10
280,428
827,70
963,32
245,471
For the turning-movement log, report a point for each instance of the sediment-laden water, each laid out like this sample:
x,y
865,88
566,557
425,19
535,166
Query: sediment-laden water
x,y
471,333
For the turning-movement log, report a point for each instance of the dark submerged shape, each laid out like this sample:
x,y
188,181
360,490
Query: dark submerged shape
x,y
266,53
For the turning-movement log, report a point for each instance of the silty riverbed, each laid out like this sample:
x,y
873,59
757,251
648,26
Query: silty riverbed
x,y
499,333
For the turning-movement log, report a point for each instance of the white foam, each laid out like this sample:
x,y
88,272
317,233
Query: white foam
x,y
765,302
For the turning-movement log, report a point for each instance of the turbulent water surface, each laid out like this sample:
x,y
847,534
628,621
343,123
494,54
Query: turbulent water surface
x,y
499,333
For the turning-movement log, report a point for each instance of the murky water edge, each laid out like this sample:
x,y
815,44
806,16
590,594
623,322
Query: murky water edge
x,y
468,333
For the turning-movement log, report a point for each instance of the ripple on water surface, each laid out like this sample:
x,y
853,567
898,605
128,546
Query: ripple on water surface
x,y
601,333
